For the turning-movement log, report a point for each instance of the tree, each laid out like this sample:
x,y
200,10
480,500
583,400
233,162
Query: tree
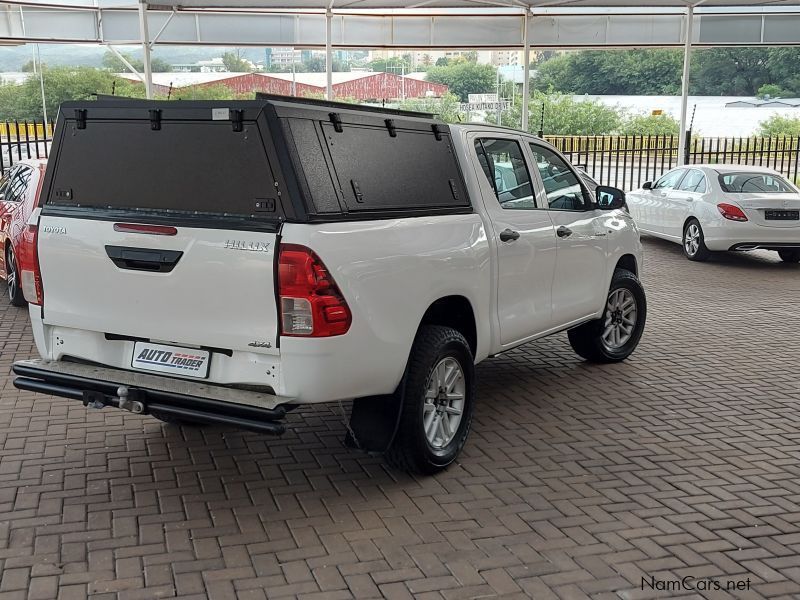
x,y
730,71
447,107
28,67
234,62
770,90
393,64
442,61
778,125
614,72
464,78
662,124
60,83
113,63
564,116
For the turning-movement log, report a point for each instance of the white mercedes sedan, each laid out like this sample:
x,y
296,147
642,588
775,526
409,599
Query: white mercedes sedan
x,y
708,208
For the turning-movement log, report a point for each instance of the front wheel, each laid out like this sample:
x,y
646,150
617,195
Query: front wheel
x,y
615,335
438,394
15,295
694,242
789,255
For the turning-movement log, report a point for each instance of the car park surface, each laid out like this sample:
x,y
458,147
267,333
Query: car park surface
x,y
577,481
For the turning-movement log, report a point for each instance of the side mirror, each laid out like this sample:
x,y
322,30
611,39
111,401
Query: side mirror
x,y
609,198
647,185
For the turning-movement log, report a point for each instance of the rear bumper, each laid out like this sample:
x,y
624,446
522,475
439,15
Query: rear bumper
x,y
766,246
143,394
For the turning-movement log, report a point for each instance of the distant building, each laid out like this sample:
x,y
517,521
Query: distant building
x,y
285,56
359,85
215,65
507,58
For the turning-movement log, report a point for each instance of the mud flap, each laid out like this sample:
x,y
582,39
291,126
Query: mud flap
x,y
373,422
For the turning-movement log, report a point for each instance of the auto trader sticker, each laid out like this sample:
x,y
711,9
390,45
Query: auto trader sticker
x,y
187,362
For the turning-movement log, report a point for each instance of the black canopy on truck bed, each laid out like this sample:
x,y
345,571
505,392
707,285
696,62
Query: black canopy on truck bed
x,y
251,163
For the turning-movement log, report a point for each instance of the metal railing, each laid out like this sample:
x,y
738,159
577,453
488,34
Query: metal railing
x,y
23,140
628,161
622,161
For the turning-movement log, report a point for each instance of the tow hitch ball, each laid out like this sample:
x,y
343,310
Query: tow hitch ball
x,y
126,399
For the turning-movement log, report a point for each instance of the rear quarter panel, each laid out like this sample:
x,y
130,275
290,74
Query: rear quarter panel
x,y
390,272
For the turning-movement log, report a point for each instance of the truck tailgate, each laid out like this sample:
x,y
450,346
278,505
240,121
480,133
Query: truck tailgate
x,y
218,293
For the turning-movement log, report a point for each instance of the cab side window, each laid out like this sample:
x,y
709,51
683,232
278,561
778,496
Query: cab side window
x,y
561,185
503,164
694,181
670,180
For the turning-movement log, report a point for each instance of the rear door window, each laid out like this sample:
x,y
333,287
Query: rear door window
x,y
503,163
561,184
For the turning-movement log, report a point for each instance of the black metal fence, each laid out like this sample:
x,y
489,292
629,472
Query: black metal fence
x,y
628,161
22,140
622,161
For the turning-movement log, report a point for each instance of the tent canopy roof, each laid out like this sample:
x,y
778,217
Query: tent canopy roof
x,y
572,5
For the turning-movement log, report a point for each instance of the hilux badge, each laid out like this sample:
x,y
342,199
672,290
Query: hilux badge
x,y
247,246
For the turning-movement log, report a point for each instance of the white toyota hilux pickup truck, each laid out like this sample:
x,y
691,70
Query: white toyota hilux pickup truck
x,y
225,262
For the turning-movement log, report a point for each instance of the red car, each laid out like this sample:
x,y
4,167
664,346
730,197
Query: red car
x,y
19,196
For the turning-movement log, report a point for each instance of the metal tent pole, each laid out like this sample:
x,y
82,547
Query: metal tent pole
x,y
38,58
687,61
145,35
328,55
526,73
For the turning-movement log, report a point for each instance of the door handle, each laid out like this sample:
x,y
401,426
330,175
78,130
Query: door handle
x,y
143,259
508,235
563,232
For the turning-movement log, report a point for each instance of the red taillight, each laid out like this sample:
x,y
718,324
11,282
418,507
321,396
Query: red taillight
x,y
731,212
311,303
29,272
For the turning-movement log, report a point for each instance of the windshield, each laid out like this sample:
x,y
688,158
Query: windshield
x,y
754,183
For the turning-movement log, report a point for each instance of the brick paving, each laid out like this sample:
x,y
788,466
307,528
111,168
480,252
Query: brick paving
x,y
577,481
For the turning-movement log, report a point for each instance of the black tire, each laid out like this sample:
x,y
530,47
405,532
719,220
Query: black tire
x,y
587,339
789,255
410,450
702,253
15,295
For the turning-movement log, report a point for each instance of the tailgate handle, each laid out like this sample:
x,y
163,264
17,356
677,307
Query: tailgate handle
x,y
144,259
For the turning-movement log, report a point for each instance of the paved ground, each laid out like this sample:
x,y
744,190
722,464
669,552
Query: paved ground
x,y
577,480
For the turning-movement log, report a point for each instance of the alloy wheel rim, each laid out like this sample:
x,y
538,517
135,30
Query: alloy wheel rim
x,y
692,239
620,319
444,402
11,273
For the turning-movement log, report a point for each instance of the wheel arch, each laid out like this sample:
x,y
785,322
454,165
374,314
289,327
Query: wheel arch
x,y
629,263
454,311
686,222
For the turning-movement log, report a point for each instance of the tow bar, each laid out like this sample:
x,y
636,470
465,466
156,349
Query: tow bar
x,y
128,399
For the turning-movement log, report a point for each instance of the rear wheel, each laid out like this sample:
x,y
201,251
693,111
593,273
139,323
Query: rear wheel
x,y
789,255
15,295
694,244
615,335
438,397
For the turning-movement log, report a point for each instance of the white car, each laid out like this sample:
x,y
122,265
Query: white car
x,y
709,208
316,252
